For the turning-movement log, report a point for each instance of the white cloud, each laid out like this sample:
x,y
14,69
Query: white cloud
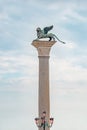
x,y
17,72
68,71
16,61
3,16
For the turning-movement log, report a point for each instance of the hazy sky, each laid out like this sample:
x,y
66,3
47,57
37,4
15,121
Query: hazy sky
x,y
19,63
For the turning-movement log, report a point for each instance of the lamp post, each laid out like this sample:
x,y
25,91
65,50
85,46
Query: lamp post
x,y
41,122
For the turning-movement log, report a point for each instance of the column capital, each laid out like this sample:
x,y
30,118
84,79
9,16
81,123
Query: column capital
x,y
43,47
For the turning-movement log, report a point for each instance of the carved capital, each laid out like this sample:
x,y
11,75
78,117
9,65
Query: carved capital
x,y
43,47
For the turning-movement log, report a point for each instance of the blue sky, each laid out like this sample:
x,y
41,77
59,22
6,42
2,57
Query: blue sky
x,y
19,63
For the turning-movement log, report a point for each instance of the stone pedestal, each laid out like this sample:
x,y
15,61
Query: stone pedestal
x,y
43,48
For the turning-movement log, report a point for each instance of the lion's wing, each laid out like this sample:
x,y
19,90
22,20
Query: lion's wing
x,y
46,29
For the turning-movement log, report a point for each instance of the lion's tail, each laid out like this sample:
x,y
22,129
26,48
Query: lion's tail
x,y
59,39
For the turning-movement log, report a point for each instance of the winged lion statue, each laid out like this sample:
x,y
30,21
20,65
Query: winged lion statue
x,y
43,33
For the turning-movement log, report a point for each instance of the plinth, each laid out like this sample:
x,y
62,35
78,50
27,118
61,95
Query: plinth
x,y
43,48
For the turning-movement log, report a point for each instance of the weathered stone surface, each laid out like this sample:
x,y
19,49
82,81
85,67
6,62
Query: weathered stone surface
x,y
43,48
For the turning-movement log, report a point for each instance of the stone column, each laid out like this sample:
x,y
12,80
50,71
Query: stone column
x,y
43,48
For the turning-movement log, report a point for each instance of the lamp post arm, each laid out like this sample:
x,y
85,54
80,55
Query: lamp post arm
x,y
39,126
49,125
